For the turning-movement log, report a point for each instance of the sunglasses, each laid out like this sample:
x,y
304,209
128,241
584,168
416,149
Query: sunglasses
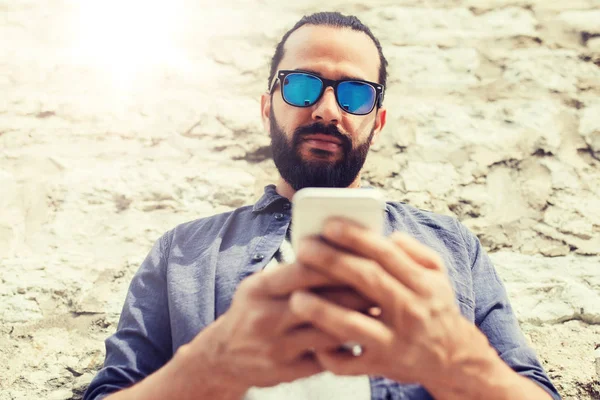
x,y
303,89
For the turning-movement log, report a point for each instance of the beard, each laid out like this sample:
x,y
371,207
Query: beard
x,y
300,173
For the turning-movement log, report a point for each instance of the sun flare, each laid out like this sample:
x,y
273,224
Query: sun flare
x,y
128,37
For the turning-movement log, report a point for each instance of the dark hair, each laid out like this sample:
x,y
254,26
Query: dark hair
x,y
334,19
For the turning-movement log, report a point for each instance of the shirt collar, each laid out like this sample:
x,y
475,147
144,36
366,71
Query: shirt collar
x,y
268,199
271,197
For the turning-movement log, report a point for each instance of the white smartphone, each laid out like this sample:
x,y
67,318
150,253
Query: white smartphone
x,y
311,207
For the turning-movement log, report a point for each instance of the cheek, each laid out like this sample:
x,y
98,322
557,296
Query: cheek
x,y
359,127
290,118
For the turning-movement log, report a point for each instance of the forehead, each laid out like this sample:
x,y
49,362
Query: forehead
x,y
333,52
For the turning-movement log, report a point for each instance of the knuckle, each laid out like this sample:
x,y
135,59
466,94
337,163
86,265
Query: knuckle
x,y
417,314
399,239
317,314
437,260
313,314
426,284
337,263
372,276
437,308
311,277
257,318
304,257
299,272
251,284
387,251
330,258
350,236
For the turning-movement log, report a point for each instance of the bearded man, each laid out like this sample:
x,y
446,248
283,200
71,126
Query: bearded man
x,y
202,320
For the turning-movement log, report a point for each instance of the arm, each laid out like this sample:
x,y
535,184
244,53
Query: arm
x,y
139,362
512,370
420,321
257,342
483,374
142,342
176,381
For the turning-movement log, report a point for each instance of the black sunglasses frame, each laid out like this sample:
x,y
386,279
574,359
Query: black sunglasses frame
x,y
283,73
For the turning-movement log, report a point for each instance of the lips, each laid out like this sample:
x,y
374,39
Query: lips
x,y
318,142
322,138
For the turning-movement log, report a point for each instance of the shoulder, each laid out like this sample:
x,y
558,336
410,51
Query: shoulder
x,y
416,218
444,233
202,231
421,216
453,242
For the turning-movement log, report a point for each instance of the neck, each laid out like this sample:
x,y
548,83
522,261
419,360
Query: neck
x,y
286,190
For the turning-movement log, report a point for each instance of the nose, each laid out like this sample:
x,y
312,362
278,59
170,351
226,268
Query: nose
x,y
327,109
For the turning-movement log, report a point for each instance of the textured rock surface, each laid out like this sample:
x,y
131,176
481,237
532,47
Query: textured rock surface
x,y
110,137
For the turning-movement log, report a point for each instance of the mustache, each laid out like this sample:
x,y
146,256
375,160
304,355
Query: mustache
x,y
318,127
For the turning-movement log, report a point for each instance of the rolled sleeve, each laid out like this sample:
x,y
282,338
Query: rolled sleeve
x,y
142,343
495,318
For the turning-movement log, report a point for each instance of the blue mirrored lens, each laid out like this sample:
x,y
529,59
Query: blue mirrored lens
x,y
301,90
356,97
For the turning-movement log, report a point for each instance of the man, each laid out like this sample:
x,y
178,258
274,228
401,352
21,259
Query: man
x,y
203,321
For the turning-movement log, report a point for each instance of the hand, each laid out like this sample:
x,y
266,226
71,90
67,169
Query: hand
x,y
259,341
420,335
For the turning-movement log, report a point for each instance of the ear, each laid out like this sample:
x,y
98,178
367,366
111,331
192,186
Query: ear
x,y
265,111
380,118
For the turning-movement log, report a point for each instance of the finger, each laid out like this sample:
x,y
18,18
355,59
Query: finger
x,y
345,325
345,297
380,249
364,275
298,341
267,316
350,299
283,319
422,254
284,280
374,312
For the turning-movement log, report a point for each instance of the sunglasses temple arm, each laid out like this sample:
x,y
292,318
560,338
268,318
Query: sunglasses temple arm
x,y
273,82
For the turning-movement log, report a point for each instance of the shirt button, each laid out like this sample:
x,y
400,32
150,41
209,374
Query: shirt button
x,y
258,257
278,216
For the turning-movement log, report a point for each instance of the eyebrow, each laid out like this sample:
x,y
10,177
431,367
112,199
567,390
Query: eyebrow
x,y
344,77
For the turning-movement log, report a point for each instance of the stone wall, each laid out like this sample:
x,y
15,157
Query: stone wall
x,y
116,127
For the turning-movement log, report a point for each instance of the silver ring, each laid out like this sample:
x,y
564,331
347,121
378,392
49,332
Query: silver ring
x,y
354,348
357,350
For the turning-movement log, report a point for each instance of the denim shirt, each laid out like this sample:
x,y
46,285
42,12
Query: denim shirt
x,y
189,277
